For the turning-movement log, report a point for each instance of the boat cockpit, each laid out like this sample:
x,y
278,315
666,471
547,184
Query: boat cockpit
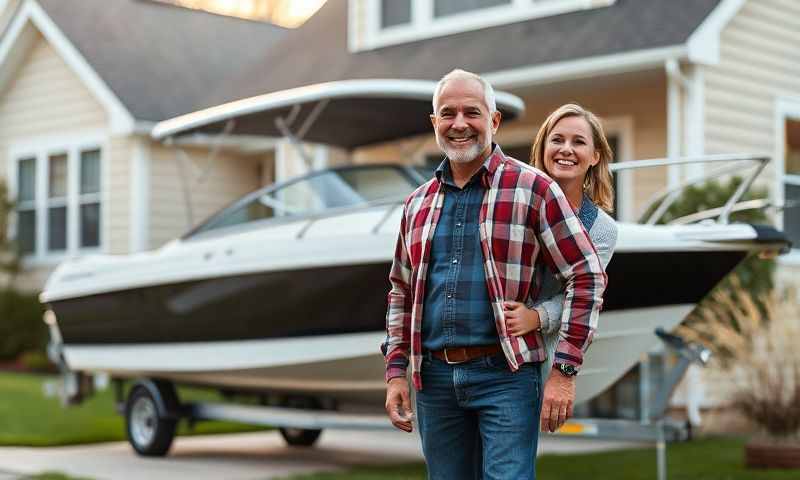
x,y
317,192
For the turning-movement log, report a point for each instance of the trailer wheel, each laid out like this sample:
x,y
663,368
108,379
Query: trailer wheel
x,y
298,437
149,433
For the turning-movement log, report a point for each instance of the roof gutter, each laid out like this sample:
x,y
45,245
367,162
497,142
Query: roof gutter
x,y
143,127
587,67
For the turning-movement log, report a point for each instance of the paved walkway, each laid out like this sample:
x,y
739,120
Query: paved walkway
x,y
246,456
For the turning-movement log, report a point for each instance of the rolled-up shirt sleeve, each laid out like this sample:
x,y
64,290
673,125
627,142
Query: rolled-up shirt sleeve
x,y
396,346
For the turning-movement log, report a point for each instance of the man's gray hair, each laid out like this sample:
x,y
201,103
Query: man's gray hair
x,y
488,91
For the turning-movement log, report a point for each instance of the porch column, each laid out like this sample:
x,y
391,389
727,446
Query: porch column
x,y
139,196
673,121
695,120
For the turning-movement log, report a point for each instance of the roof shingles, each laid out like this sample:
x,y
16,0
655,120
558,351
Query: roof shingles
x,y
164,61
160,60
318,52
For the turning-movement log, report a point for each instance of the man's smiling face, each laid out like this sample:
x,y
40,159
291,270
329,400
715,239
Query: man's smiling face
x,y
463,124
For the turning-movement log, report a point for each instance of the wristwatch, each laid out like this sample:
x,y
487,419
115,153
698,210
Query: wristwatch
x,y
566,369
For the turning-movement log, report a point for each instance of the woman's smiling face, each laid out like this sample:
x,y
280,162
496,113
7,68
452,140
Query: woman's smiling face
x,y
569,150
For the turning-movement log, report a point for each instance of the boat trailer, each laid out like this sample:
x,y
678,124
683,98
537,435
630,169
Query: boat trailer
x,y
152,409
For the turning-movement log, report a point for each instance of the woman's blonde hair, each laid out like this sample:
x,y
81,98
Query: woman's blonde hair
x,y
598,183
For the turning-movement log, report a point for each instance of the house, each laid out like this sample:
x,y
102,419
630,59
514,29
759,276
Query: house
x,y
82,83
670,78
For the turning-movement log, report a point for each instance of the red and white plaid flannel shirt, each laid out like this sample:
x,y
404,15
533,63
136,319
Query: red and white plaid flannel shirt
x,y
524,218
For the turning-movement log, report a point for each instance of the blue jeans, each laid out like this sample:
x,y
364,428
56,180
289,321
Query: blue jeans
x,y
478,420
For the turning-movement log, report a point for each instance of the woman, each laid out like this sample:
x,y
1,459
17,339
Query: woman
x,y
572,149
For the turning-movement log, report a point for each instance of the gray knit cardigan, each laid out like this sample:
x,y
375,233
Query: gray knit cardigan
x,y
602,230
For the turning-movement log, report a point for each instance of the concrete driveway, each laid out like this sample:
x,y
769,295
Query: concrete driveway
x,y
247,456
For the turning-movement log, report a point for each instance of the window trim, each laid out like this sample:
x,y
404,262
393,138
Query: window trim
x,y
41,148
424,25
785,108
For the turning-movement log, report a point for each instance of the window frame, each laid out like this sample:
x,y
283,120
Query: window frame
x,y
424,24
41,149
786,108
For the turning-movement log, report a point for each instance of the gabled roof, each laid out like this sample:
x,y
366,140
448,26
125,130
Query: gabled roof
x,y
318,51
159,60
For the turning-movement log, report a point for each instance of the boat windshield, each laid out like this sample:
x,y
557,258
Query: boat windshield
x,y
315,193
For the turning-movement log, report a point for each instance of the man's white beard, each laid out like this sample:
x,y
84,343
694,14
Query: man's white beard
x,y
460,155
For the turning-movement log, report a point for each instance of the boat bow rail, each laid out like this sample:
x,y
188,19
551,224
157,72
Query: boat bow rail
x,y
660,202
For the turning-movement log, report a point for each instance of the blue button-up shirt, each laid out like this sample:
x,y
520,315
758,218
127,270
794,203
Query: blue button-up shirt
x,y
457,311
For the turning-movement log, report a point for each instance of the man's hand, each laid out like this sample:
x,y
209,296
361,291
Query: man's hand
x,y
559,395
398,405
520,319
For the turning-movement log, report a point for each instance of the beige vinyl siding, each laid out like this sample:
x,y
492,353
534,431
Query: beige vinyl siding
x,y
44,99
759,62
639,98
357,23
116,209
212,185
787,277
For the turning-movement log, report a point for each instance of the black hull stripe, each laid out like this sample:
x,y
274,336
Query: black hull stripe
x,y
336,300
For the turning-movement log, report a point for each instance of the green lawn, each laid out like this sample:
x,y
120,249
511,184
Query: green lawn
x,y
53,476
708,459
29,418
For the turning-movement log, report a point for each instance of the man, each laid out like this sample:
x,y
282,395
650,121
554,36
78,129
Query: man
x,y
469,242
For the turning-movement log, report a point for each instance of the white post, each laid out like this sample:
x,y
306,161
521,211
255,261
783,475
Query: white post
x,y
694,126
673,121
139,196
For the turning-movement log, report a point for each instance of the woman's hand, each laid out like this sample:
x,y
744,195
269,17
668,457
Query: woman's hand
x,y
520,319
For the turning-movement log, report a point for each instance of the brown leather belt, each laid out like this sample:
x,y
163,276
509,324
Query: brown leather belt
x,y
454,355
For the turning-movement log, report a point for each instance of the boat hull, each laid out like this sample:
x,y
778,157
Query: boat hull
x,y
337,300
317,331
347,367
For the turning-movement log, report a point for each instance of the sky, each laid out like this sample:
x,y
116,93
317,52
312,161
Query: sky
x,y
288,13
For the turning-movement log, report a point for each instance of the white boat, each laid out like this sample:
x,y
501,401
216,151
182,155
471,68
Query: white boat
x,y
284,292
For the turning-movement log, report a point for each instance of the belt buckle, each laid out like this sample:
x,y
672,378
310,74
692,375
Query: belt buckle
x,y
453,362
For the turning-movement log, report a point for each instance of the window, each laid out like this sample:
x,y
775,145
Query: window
x,y
395,12
89,198
389,22
791,182
26,205
58,201
443,8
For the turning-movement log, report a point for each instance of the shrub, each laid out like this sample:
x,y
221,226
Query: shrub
x,y
36,361
753,274
766,361
21,325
